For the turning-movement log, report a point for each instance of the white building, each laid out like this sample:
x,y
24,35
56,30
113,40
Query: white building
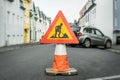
x,y
39,23
32,23
11,22
12,19
103,15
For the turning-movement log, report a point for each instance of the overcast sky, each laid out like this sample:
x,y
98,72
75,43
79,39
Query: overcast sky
x,y
70,8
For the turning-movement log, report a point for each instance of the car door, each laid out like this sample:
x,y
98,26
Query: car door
x,y
99,37
89,32
92,36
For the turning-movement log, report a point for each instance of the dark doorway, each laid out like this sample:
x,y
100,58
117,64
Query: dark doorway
x,y
118,40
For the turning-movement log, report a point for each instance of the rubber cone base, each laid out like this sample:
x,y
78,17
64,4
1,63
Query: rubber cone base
x,y
71,71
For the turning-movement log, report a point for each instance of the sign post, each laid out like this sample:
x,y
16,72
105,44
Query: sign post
x,y
60,33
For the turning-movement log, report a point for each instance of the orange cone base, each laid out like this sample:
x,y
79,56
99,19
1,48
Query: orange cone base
x,y
60,63
51,72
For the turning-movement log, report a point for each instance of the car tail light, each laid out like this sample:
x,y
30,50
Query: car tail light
x,y
80,34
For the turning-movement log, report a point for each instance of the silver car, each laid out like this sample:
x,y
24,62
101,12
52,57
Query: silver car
x,y
91,36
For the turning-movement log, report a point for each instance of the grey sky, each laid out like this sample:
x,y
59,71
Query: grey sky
x,y
70,8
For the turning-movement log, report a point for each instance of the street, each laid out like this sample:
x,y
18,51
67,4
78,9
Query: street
x,y
29,63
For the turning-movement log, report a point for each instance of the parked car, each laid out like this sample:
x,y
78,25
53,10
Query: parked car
x,y
91,36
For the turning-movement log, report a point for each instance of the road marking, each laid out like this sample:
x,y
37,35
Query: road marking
x,y
106,78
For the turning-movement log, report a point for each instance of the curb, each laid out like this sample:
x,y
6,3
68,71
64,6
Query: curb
x,y
114,50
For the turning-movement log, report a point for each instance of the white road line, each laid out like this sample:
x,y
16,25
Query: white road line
x,y
105,78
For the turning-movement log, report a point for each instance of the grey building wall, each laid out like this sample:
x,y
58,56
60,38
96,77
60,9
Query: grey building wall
x,y
116,15
116,21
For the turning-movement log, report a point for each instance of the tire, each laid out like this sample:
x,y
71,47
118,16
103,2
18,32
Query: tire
x,y
108,45
87,43
73,45
94,46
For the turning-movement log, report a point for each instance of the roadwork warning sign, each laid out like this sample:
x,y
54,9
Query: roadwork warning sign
x,y
59,32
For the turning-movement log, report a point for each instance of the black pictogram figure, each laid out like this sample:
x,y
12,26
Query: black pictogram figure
x,y
58,30
59,33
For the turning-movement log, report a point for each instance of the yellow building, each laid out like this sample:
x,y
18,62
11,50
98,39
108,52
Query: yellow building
x,y
27,21
82,21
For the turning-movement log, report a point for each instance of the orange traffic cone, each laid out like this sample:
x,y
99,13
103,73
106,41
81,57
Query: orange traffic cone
x,y
60,59
61,64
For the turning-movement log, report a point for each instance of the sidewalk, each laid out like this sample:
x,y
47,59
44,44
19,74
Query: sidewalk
x,y
12,47
115,49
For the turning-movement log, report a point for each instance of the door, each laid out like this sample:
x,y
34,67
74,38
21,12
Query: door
x,y
99,37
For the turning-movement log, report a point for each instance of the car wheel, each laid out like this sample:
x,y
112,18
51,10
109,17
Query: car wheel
x,y
108,44
87,43
73,45
94,46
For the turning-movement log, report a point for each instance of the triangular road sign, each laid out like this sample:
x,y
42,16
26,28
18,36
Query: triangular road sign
x,y
59,32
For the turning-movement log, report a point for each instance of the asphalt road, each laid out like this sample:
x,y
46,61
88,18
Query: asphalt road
x,y
29,63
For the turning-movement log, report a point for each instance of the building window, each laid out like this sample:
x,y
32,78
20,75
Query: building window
x,y
115,4
88,17
13,18
8,17
94,13
11,0
115,21
91,14
17,18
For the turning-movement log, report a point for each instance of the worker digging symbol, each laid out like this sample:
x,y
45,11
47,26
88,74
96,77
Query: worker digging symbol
x,y
58,32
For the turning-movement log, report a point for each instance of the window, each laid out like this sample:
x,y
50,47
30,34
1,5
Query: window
x,y
11,0
89,30
17,18
85,30
98,32
115,4
86,18
94,13
13,18
93,31
115,21
8,17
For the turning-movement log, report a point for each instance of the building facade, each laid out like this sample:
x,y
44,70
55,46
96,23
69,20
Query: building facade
x,y
32,23
103,14
27,20
11,23
39,23
18,26
116,21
